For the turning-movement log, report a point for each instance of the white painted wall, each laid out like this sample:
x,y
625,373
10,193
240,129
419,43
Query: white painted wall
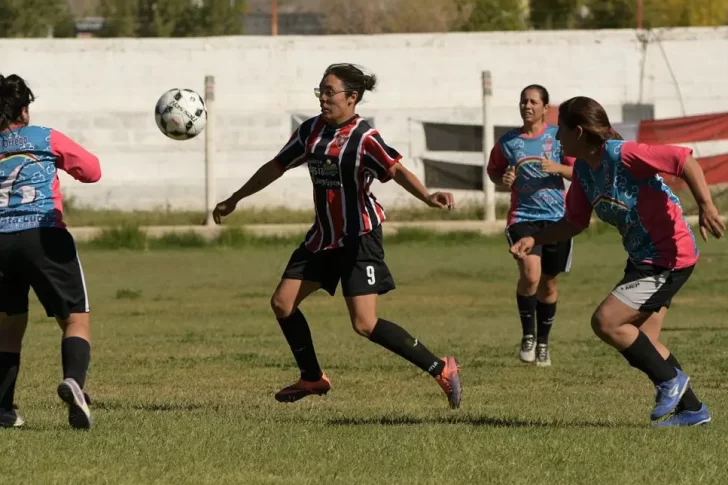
x,y
102,93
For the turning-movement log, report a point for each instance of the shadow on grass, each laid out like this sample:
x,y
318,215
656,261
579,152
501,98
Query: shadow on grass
x,y
694,329
152,407
403,420
485,421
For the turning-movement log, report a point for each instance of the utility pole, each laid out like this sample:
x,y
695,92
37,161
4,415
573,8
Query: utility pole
x,y
274,17
639,14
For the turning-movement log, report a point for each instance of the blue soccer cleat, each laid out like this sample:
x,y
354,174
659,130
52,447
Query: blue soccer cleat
x,y
686,418
669,394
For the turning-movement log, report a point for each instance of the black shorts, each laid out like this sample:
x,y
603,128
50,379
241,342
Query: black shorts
x,y
44,259
555,257
647,288
359,265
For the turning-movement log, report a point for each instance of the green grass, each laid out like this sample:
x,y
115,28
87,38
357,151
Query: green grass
x,y
135,238
79,216
186,358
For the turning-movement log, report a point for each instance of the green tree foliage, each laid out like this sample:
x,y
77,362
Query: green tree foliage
x,y
487,15
171,18
610,14
35,18
348,17
554,14
121,18
189,18
679,13
622,14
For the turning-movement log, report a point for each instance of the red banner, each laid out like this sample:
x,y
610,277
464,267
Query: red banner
x,y
691,129
684,130
715,169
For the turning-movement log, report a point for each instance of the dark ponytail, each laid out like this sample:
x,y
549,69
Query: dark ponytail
x,y
353,78
591,116
613,135
14,96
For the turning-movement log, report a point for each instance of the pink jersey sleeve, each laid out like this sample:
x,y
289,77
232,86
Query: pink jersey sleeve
x,y
73,159
568,161
497,163
578,207
647,160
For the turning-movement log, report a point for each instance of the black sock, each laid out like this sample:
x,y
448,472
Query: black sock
x,y
298,335
689,401
9,365
545,313
527,310
644,356
75,355
396,339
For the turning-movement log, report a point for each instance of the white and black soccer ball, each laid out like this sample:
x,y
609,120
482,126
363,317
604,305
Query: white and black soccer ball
x,y
181,114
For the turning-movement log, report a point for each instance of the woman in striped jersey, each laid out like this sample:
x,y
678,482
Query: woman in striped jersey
x,y
344,155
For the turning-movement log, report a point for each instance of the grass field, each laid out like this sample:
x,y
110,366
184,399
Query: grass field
x,y
186,358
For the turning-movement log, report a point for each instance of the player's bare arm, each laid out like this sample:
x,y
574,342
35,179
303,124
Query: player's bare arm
x,y
710,219
551,167
504,180
560,231
266,175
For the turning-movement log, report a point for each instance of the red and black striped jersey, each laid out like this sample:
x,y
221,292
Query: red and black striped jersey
x,y
343,161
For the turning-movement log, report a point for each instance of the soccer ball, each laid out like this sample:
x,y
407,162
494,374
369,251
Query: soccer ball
x,y
180,114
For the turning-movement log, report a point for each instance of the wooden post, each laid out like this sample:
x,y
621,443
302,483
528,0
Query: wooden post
x,y
210,192
488,141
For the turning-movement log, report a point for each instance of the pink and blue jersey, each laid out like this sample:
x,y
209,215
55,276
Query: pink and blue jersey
x,y
30,195
627,192
535,195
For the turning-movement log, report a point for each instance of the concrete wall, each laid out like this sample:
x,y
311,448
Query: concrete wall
x,y
102,93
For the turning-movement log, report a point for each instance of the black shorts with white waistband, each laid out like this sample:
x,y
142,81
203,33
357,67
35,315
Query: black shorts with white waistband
x,y
46,260
647,287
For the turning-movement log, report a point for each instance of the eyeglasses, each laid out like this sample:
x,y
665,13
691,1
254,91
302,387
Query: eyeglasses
x,y
328,92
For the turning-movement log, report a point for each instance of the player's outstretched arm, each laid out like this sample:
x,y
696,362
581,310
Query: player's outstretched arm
x,y
408,181
710,220
75,159
561,231
266,175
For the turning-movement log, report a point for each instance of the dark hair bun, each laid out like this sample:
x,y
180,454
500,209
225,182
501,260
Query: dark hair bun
x,y
352,78
369,82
